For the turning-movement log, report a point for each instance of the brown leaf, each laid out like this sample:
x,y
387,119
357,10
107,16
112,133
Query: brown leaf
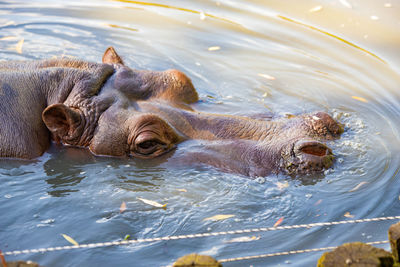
x,y
3,260
123,207
278,222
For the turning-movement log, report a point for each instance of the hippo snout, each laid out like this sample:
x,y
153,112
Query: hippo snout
x,y
312,149
308,156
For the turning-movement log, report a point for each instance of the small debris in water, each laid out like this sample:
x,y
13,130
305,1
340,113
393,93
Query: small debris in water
x,y
182,190
152,203
358,186
219,217
82,173
6,38
362,99
70,239
127,237
345,3
127,165
243,239
202,15
260,180
318,202
122,208
266,76
348,215
214,48
278,222
282,186
308,195
18,46
315,9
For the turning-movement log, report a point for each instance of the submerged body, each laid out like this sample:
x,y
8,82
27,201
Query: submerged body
x,y
114,110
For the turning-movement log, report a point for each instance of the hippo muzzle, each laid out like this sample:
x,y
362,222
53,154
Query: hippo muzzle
x,y
306,156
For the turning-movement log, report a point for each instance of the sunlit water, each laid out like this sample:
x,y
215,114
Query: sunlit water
x,y
244,57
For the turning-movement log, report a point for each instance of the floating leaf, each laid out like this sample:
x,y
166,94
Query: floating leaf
x,y
348,215
282,186
362,99
315,9
243,239
123,207
127,237
3,260
358,186
202,15
6,38
219,217
70,239
278,222
182,190
318,202
345,3
214,48
266,76
18,47
152,203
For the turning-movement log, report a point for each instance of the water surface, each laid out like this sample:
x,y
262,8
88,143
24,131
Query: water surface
x,y
244,57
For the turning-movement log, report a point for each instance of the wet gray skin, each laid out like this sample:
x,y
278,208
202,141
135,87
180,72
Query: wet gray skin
x,y
117,111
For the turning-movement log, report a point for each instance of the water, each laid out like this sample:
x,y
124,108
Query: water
x,y
244,57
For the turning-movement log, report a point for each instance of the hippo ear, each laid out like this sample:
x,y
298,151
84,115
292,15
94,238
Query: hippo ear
x,y
62,121
111,57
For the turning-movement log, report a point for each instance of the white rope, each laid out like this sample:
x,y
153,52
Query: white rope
x,y
190,236
289,253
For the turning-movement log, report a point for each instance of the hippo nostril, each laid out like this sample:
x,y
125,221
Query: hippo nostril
x,y
313,148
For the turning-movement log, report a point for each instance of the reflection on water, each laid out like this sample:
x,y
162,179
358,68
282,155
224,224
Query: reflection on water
x,y
255,58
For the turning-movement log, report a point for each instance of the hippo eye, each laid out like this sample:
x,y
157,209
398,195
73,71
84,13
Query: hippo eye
x,y
149,147
147,144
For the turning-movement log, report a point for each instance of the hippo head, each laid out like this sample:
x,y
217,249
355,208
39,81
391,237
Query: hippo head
x,y
145,114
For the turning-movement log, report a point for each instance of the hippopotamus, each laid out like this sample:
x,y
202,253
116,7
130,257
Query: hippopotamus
x,y
114,110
